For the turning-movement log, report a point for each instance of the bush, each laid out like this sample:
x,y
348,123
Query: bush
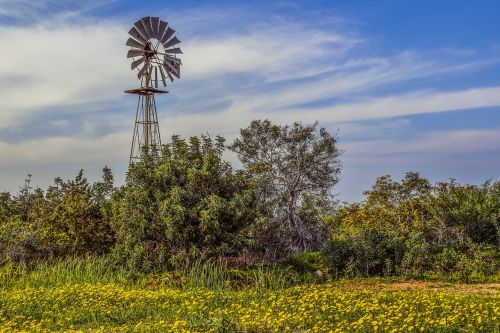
x,y
19,242
70,218
365,252
416,230
186,204
306,262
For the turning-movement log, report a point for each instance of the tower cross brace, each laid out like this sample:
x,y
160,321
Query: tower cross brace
x,y
146,130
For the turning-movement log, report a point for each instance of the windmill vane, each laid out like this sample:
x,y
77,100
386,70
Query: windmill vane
x,y
154,55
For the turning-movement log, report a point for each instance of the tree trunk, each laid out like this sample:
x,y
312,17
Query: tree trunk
x,y
298,229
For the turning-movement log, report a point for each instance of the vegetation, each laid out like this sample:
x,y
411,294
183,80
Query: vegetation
x,y
292,167
413,229
70,218
84,295
190,244
188,203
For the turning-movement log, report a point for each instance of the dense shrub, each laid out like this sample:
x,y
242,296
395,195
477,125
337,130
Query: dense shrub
x,y
70,218
74,219
188,203
368,251
413,229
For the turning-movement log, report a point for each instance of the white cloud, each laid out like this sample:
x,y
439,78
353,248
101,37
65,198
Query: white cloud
x,y
441,143
285,72
407,104
27,12
59,65
228,121
70,62
72,150
270,52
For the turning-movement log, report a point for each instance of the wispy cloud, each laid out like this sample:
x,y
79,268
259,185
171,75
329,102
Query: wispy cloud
x,y
61,65
28,12
441,142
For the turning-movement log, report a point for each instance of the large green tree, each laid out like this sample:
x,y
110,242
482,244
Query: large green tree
x,y
188,203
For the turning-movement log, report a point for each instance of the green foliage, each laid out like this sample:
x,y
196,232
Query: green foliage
x,y
368,251
70,218
185,208
19,241
292,167
471,210
414,229
306,262
75,216
188,203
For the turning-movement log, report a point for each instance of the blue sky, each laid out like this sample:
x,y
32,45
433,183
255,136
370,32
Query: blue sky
x,y
409,85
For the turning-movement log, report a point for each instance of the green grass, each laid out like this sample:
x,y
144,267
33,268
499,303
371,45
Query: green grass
x,y
72,270
92,295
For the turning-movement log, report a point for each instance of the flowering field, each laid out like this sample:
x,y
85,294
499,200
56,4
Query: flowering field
x,y
331,307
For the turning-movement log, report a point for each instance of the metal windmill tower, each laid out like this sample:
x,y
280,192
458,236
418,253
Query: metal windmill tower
x,y
151,44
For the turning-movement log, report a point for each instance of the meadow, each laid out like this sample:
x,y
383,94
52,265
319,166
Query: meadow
x,y
90,295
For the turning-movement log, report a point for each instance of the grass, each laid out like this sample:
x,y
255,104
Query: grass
x,y
91,295
72,270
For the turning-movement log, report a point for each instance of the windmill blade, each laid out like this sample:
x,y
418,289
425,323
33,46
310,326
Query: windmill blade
x,y
147,25
133,43
162,76
137,62
177,72
167,35
175,50
155,22
171,42
176,60
172,68
134,53
140,27
168,73
156,77
141,72
134,32
161,29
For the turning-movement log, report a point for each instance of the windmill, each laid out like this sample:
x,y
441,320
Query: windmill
x,y
154,55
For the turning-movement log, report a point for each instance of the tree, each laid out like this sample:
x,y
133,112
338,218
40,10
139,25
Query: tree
x,y
286,163
471,210
186,204
73,216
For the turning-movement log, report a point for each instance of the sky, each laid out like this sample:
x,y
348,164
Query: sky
x,y
406,85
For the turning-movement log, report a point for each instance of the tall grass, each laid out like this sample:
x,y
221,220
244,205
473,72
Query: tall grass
x,y
71,270
270,277
211,274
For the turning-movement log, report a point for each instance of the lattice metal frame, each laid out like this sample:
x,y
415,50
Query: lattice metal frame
x,y
146,129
